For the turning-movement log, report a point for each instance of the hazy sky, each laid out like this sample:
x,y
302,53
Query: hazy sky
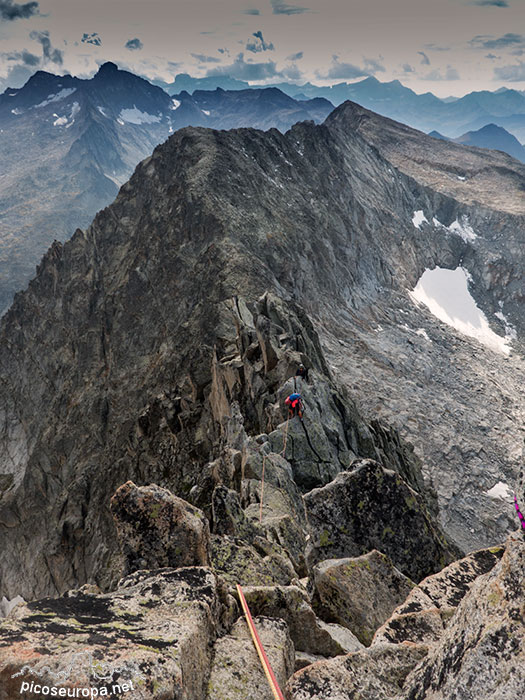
x,y
449,47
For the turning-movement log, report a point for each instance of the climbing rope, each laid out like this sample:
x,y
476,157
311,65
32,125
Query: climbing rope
x,y
262,490
270,675
285,436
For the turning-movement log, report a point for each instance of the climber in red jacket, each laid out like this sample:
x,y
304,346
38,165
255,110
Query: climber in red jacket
x,y
295,405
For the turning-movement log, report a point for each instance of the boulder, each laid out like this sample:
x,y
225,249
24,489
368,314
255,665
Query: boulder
x,y
447,588
155,632
260,565
157,529
237,672
377,673
369,508
308,633
482,652
422,627
359,593
422,617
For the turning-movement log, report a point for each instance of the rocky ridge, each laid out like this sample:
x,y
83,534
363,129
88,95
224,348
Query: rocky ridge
x,y
150,359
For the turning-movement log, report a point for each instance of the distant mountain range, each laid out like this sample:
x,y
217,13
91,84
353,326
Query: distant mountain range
x,y
426,112
68,144
490,136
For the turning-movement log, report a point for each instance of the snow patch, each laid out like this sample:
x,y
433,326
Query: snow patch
x,y
463,229
445,293
16,111
120,122
500,491
206,112
7,605
510,331
461,177
175,103
56,98
419,218
135,116
59,121
102,112
422,332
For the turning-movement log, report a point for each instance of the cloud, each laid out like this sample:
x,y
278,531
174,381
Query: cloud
x,y
27,58
93,39
279,7
295,56
10,10
251,12
513,73
436,74
425,61
258,43
483,41
246,70
134,44
49,53
490,3
348,71
205,59
434,47
373,66
407,68
491,56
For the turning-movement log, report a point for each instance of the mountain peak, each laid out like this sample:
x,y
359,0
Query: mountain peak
x,y
108,68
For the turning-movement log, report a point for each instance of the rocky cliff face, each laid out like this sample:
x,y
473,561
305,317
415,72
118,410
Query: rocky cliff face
x,y
150,359
68,144
127,353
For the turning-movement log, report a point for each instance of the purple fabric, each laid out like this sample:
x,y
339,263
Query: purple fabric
x,y
518,511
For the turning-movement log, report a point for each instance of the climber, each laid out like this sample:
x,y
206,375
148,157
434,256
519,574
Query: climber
x,y
295,405
302,372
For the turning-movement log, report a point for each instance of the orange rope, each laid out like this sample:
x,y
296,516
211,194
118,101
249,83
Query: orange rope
x,y
270,675
262,490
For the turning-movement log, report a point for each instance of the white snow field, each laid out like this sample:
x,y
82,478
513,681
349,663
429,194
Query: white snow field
x,y
445,293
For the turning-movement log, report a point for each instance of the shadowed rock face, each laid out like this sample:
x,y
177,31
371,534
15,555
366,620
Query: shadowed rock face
x,y
156,346
157,529
367,508
359,593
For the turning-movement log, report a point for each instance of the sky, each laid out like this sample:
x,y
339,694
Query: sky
x,y
448,47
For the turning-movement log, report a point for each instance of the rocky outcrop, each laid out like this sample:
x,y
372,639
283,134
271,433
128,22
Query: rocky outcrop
x,y
482,652
423,616
153,633
359,593
374,673
309,634
236,670
156,529
371,507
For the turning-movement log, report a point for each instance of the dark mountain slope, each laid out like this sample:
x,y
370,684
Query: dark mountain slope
x,y
144,341
68,144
